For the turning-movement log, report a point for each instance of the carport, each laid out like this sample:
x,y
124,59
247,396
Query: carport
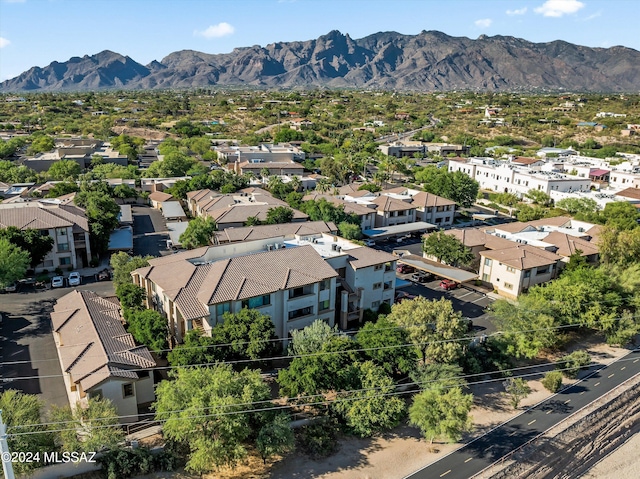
x,y
172,211
438,269
387,232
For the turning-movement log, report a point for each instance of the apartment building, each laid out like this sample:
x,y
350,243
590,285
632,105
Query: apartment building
x,y
504,177
282,152
98,357
367,212
512,271
66,224
286,230
293,281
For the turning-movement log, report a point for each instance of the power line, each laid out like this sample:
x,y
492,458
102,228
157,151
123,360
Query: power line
x,y
312,397
321,353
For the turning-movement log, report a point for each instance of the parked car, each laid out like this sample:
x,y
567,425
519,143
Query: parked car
x,y
11,288
369,242
57,282
420,277
405,268
402,295
448,284
74,279
103,275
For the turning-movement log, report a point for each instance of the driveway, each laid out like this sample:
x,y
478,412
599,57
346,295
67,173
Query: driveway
x,y
26,342
150,233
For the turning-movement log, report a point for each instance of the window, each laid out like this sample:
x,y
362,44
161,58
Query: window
x,y
511,269
143,374
377,267
127,390
377,285
257,302
324,305
485,277
375,305
527,273
223,308
62,232
63,247
325,284
487,262
388,267
508,285
544,270
65,261
301,291
298,313
48,263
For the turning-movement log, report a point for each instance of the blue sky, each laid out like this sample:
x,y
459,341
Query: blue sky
x,y
37,32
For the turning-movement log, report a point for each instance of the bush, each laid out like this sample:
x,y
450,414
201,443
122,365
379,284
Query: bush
x,y
552,381
122,463
384,308
58,271
319,439
572,363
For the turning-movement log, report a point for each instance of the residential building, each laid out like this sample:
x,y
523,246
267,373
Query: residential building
x,y
257,166
66,224
158,197
367,212
293,281
286,230
514,270
98,357
267,152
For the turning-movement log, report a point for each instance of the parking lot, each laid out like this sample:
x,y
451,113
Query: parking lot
x,y
150,233
26,342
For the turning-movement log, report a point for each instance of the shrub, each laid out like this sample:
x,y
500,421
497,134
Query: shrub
x,y
122,463
319,439
572,363
384,308
552,381
58,271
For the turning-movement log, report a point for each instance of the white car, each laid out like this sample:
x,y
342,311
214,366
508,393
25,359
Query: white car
x,y
57,282
74,279
369,242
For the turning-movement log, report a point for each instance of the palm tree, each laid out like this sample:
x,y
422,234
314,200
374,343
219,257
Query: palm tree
x,y
322,185
295,183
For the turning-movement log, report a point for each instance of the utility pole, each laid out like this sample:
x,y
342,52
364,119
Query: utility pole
x,y
7,465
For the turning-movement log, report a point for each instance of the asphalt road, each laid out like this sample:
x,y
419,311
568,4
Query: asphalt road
x,y
484,451
27,348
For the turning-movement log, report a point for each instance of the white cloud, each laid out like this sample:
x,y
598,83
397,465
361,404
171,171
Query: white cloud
x,y
483,22
558,8
222,29
517,11
4,42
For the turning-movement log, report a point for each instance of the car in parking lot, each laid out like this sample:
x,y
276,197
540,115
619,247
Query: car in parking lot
x,y
11,288
369,242
420,277
448,284
402,295
57,282
404,268
74,279
103,275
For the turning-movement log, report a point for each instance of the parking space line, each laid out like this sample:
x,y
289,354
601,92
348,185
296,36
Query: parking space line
x,y
567,401
445,473
468,459
610,375
549,411
623,368
465,295
481,297
529,424
596,384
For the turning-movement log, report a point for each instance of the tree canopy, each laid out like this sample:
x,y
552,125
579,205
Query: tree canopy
x,y
447,249
14,262
199,232
31,241
455,186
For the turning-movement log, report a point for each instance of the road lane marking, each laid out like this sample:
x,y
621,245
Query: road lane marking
x,y
623,368
610,376
567,401
549,411
596,384
531,422
445,473
636,360
582,393
468,459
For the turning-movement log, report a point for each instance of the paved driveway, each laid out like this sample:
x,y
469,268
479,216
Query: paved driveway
x,y
150,233
26,342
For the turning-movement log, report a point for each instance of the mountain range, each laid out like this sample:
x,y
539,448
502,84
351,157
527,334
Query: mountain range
x,y
428,61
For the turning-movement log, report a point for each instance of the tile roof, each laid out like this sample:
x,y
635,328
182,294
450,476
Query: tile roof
x,y
568,245
241,213
37,215
284,165
523,160
93,342
633,193
522,257
249,233
386,203
237,278
515,227
160,196
364,257
427,200
559,221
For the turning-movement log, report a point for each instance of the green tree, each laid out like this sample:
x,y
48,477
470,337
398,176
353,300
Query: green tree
x,y
539,197
552,381
252,221
517,389
447,249
63,188
571,364
149,328
87,429
350,231
172,165
275,437
441,413
196,349
123,264
247,334
124,191
199,232
621,215
435,329
455,186
578,205
437,375
526,213
279,215
215,437
23,412
64,169
311,339
30,240
40,144
385,345
372,407
102,213
14,262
